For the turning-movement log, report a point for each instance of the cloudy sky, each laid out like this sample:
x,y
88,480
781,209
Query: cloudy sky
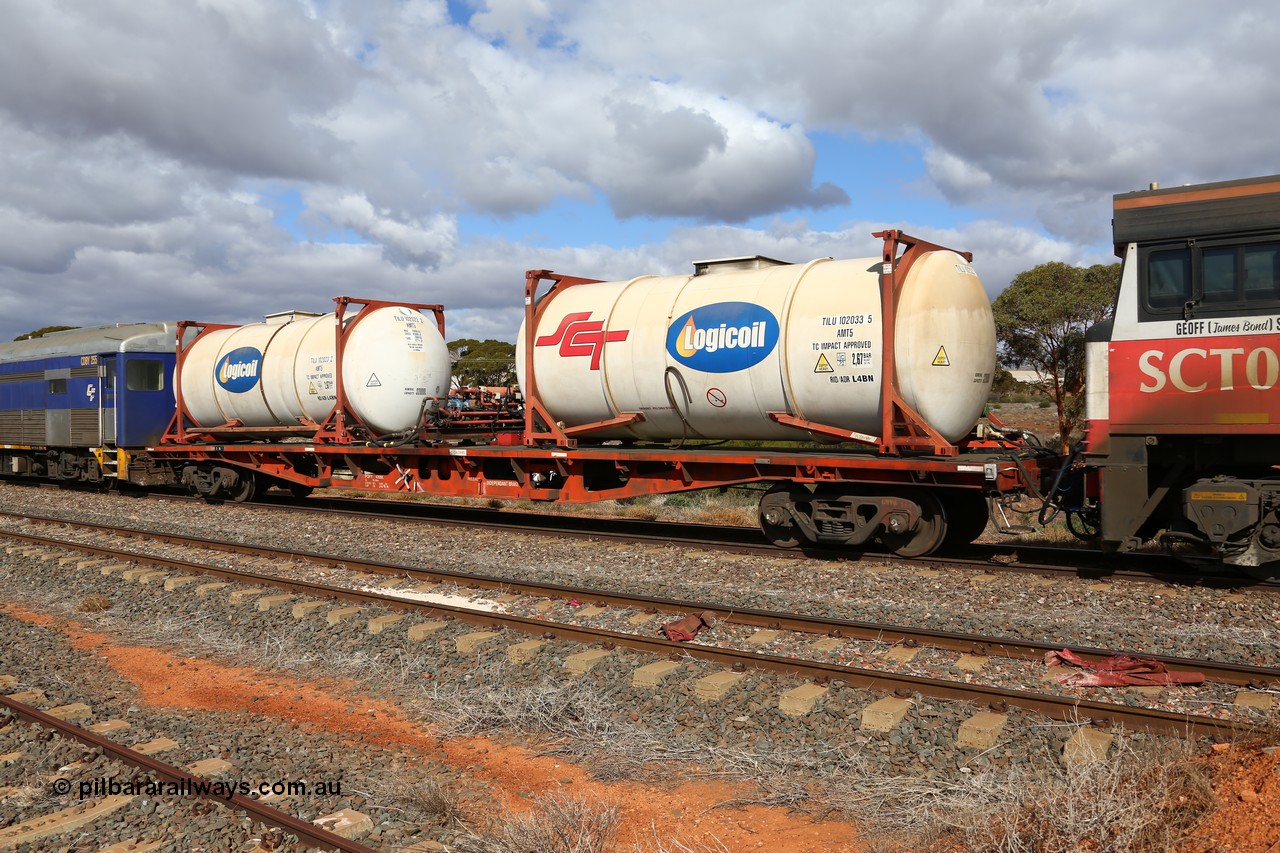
x,y
218,159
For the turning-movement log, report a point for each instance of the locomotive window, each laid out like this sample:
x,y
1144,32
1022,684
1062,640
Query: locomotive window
x,y
1262,272
1212,279
1219,273
144,374
57,386
1168,278
1241,275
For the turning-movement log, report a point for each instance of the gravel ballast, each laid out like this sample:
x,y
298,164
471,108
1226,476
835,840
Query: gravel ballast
x,y
434,677
1152,618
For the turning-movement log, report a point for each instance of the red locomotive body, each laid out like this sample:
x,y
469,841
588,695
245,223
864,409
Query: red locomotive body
x,y
1183,411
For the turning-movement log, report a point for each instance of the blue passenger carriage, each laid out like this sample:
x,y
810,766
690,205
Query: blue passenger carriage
x,y
73,403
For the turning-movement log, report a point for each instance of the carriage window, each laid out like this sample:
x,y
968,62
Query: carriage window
x,y
144,375
57,386
1168,278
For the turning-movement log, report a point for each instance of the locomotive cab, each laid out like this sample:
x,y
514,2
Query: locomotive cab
x,y
1182,408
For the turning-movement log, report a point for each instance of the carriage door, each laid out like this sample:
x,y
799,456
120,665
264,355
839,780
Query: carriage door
x,y
107,400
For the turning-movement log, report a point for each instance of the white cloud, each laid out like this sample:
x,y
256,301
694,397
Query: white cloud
x,y
405,240
1021,106
135,138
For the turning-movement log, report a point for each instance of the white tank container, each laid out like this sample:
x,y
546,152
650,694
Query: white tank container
x,y
274,374
711,355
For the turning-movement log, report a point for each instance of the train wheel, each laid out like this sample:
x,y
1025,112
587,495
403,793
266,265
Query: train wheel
x,y
245,488
300,491
967,517
776,520
928,534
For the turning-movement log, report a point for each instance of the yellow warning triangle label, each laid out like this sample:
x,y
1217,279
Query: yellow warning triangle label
x,y
312,389
941,360
823,366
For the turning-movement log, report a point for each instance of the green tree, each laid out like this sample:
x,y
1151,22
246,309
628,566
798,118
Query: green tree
x,y
487,362
1041,319
40,333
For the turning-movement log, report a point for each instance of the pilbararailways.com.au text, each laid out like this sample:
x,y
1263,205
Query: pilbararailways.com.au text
x,y
194,788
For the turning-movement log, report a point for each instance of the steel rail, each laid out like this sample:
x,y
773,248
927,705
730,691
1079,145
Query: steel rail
x,y
1054,560
307,833
1045,559
1056,707
1227,673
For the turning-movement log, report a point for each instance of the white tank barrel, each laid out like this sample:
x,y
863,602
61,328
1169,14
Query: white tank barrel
x,y
711,355
277,374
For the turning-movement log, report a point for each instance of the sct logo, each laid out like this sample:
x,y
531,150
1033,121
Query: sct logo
x,y
1193,370
238,370
723,337
579,335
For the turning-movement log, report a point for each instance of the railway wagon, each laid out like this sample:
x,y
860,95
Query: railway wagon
x,y
75,405
840,357
853,388
1183,408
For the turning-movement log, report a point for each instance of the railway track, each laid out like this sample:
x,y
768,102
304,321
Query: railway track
x,y
817,672
1017,558
197,781
755,618
1020,558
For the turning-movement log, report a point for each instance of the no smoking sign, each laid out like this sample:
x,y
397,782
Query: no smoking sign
x,y
716,398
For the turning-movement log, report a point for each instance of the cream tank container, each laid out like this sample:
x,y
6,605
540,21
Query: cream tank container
x,y
710,355
275,373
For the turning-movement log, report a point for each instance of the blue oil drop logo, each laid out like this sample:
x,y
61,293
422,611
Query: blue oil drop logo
x,y
238,370
723,337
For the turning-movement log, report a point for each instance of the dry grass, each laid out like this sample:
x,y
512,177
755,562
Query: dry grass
x,y
31,795
555,823
94,604
655,842
427,802
567,719
732,508
1142,799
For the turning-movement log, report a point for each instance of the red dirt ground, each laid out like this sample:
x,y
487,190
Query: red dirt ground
x,y
1246,779
687,812
1246,782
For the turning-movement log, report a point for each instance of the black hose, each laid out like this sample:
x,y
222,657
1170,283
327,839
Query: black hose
x,y
685,426
1045,516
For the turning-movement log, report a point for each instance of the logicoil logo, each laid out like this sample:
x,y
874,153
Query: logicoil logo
x,y
238,370
723,337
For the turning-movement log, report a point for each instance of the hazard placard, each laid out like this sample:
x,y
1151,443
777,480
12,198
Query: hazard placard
x,y
823,366
373,381
941,360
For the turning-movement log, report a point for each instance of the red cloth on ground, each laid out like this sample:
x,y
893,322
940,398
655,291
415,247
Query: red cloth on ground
x,y
1118,671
